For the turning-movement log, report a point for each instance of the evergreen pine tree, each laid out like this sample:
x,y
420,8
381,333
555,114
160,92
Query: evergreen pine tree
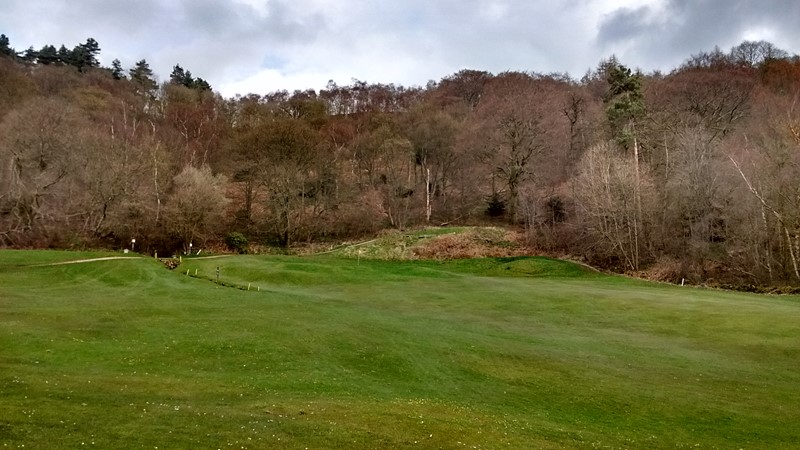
x,y
142,75
5,47
92,50
64,55
84,56
47,55
201,84
116,70
180,76
185,78
30,55
625,102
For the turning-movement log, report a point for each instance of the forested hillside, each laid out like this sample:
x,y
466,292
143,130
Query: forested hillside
x,y
692,174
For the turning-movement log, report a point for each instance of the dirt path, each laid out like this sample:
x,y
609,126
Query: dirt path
x,y
108,258
345,247
79,261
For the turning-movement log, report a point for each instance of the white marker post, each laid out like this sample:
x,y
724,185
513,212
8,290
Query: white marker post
x,y
133,244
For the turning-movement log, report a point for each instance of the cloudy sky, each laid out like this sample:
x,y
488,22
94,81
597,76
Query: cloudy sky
x,y
243,46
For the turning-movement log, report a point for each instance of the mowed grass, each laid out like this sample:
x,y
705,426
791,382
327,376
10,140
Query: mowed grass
x,y
23,258
327,352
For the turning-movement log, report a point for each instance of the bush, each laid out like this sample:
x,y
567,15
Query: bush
x,y
495,207
236,242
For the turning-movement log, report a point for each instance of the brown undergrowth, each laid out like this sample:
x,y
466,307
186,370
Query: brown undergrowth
x,y
473,243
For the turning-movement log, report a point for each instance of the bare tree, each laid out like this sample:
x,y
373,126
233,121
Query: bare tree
x,y
432,135
610,195
396,180
512,129
755,53
292,175
772,180
37,152
696,198
196,208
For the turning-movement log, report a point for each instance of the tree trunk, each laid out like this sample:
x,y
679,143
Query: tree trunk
x,y
637,199
428,195
155,183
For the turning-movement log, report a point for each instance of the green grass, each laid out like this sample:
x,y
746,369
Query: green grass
x,y
21,258
337,353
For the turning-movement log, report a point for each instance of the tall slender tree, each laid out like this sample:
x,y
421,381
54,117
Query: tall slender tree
x,y
625,109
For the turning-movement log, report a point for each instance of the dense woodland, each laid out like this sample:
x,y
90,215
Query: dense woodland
x,y
692,174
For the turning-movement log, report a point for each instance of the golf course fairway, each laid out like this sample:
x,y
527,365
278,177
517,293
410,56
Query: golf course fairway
x,y
330,352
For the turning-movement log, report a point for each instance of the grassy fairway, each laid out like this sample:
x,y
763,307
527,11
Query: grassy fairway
x,y
333,353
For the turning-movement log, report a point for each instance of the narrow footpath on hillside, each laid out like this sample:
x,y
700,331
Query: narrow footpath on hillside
x,y
79,261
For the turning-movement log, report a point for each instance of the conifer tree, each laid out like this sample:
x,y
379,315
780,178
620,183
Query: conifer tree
x,y
116,70
47,55
84,56
142,75
5,47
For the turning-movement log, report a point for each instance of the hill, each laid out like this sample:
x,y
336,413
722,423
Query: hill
x,y
687,174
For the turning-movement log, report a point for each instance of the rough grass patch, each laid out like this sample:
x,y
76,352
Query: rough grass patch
x,y
473,243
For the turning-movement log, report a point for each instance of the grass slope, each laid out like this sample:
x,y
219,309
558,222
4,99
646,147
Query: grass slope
x,y
337,353
21,258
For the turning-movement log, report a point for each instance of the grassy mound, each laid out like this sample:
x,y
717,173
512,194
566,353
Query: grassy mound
x,y
439,243
335,352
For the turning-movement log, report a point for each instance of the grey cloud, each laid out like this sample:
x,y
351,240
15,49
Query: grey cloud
x,y
221,39
409,42
686,27
625,24
219,19
212,38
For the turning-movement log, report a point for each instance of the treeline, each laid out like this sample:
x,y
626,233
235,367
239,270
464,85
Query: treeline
x,y
692,174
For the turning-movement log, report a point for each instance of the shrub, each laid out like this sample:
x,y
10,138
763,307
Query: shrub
x,y
236,242
495,207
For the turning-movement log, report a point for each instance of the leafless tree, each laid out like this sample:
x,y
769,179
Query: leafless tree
x,y
196,209
606,189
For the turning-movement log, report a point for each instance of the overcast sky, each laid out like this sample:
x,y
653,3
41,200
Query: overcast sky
x,y
243,46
